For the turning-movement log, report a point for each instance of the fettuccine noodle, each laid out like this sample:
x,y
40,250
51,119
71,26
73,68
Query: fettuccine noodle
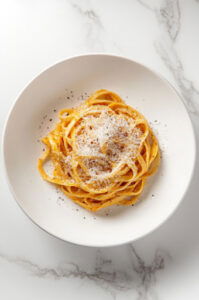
x,y
102,152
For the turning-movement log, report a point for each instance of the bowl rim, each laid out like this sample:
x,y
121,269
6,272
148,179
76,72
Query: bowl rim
x,y
192,133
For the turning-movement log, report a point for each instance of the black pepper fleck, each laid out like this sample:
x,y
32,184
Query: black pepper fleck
x,y
153,195
50,120
54,110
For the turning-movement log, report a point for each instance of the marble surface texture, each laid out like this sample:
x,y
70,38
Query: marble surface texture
x,y
164,35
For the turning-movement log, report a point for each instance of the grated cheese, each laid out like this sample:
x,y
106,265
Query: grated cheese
x,y
106,141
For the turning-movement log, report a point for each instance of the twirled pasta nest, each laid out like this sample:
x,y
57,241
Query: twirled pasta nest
x,y
102,152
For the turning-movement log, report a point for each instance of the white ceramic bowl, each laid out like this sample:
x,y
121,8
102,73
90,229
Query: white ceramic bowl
x,y
63,85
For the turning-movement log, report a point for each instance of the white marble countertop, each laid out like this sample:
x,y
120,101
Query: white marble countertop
x,y
164,35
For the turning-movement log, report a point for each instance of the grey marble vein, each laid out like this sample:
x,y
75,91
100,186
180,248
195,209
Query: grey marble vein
x,y
146,5
168,16
92,25
138,276
146,274
90,14
94,36
187,88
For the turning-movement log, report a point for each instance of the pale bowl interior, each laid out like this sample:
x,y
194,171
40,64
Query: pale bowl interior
x,y
65,85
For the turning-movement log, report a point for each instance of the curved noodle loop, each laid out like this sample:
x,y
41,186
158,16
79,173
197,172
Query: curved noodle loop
x,y
102,152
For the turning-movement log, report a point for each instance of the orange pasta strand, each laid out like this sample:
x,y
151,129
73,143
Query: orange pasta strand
x,y
102,152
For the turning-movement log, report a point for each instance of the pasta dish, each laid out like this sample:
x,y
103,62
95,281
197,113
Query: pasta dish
x,y
102,152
